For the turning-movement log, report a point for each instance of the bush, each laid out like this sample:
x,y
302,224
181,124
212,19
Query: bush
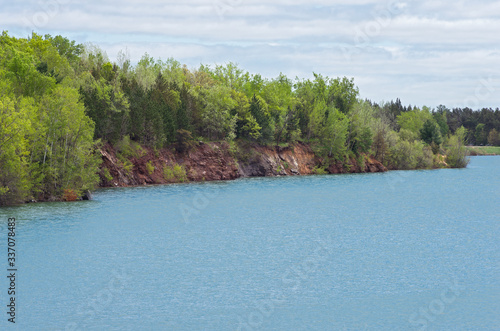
x,y
317,170
405,155
425,157
129,148
175,173
127,165
360,160
150,168
457,155
69,195
106,174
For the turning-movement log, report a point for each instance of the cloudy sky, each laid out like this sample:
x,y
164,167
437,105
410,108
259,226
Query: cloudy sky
x,y
424,52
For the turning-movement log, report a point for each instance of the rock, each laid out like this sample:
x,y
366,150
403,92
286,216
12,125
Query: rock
x,y
87,195
215,161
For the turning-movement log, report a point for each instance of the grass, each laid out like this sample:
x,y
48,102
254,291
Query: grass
x,y
484,150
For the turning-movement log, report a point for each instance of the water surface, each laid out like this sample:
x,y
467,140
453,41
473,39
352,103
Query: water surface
x,y
388,251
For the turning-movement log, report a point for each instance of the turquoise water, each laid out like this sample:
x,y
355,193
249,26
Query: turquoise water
x,y
391,251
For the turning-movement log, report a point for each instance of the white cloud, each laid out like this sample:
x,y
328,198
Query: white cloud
x,y
426,52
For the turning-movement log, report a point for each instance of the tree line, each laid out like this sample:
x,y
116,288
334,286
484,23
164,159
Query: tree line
x,y
60,101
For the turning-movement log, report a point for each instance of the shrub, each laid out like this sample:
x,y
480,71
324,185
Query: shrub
x,y
175,173
150,168
106,174
129,148
457,155
360,160
402,155
69,195
317,170
127,165
425,157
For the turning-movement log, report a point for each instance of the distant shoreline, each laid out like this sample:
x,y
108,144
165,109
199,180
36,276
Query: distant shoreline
x,y
483,150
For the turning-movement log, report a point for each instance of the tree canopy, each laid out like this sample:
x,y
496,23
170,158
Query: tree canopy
x,y
59,100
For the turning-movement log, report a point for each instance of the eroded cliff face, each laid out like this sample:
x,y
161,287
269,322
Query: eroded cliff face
x,y
214,161
278,161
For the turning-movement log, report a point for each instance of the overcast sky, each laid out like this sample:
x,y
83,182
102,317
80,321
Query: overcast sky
x,y
424,52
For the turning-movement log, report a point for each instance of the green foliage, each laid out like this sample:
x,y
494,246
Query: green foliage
x,y
185,141
494,138
15,184
126,164
457,155
360,160
59,100
66,48
483,150
480,135
263,127
175,173
150,168
319,170
440,118
430,133
46,139
406,155
414,120
128,148
106,174
279,169
334,134
105,104
216,118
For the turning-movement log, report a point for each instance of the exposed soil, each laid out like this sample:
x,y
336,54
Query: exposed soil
x,y
214,161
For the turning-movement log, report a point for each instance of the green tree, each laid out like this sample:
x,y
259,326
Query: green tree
x,y
259,110
494,138
431,133
440,118
480,135
335,134
15,127
66,155
414,120
216,118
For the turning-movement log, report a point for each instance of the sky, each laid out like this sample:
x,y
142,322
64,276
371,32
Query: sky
x,y
423,52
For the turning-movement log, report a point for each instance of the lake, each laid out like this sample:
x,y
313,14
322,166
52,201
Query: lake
x,y
402,250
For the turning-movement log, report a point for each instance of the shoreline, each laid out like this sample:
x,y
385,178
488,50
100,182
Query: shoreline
x,y
214,161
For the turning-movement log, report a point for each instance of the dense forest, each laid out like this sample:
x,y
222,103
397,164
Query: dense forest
x,y
60,101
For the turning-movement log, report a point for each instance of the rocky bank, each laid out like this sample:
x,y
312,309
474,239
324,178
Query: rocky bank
x,y
216,161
